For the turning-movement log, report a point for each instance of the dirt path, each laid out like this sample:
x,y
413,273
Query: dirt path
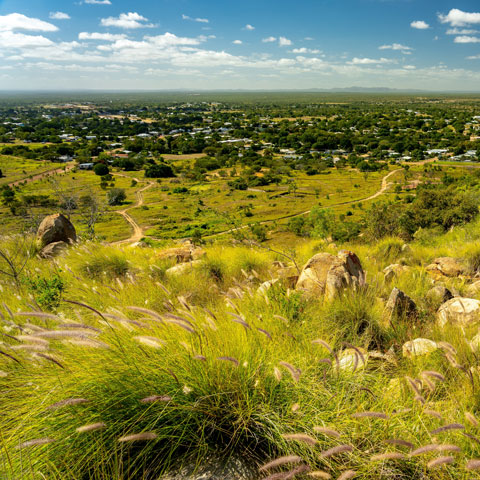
x,y
137,233
383,188
39,176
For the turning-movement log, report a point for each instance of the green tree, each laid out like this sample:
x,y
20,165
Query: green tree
x,y
116,196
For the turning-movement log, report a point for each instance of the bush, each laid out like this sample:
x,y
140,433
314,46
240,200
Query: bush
x,y
47,291
161,170
101,169
116,196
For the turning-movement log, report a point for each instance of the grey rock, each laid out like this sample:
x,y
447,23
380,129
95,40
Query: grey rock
x,y
400,305
56,228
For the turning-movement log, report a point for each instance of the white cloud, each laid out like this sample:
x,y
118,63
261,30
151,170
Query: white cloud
x,y
459,18
249,27
420,25
461,31
237,42
397,47
59,16
474,57
466,39
308,39
199,20
370,61
409,67
17,21
284,42
20,40
269,39
108,37
98,2
128,20
313,51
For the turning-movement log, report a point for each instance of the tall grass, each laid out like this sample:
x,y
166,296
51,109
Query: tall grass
x,y
139,372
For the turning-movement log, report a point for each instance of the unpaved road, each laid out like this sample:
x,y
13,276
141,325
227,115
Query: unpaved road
x,y
137,233
39,176
383,188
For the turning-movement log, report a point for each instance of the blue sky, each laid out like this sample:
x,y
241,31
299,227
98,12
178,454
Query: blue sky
x,y
262,44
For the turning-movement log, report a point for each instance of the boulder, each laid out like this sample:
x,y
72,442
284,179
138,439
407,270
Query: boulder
x,y
459,311
393,271
439,294
473,289
400,305
447,266
56,228
330,275
351,360
288,276
53,249
419,347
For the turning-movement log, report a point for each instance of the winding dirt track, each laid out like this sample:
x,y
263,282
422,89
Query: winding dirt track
x,y
383,188
137,233
39,176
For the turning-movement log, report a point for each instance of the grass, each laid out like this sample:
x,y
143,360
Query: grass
x,y
136,371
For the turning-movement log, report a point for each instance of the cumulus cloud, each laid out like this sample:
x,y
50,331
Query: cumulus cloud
x,y
420,25
249,27
128,20
20,40
59,16
370,61
108,37
461,31
312,51
199,20
237,42
474,57
98,2
459,18
466,39
17,21
269,39
397,47
284,42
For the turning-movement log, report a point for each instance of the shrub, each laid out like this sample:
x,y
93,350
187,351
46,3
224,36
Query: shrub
x,y
101,169
116,196
161,170
47,291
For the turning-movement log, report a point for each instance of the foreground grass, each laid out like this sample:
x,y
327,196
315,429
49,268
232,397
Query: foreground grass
x,y
127,371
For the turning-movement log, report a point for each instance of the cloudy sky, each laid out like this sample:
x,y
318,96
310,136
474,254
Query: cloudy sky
x,y
247,44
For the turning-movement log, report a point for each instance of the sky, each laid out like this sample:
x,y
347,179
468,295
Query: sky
x,y
244,44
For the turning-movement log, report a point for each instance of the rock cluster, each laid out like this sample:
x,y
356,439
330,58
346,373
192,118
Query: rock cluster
x,y
330,275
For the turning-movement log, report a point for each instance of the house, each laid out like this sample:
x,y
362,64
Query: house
x,y
85,166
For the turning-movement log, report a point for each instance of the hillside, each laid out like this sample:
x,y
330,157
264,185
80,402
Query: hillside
x,y
122,363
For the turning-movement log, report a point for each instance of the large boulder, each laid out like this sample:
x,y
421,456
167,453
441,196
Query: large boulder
x,y
393,271
459,311
438,295
418,347
56,228
447,266
474,288
53,249
399,305
330,275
